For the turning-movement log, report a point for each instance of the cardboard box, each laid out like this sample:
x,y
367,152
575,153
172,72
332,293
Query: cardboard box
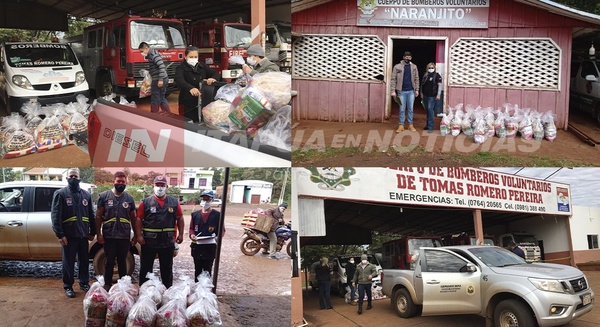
x,y
250,114
258,221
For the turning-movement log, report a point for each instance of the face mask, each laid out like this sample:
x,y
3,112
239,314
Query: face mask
x,y
205,204
160,191
364,262
192,62
431,70
281,209
251,61
73,183
407,61
352,261
120,187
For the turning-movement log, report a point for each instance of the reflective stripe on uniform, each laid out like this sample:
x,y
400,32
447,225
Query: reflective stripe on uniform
x,y
72,219
114,219
158,230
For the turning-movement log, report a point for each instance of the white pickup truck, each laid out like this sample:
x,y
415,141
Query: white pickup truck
x,y
489,281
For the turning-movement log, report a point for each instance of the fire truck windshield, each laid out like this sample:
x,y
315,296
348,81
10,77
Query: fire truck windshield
x,y
158,34
237,36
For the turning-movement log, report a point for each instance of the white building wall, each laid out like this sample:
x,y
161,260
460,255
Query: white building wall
x,y
585,221
237,194
552,230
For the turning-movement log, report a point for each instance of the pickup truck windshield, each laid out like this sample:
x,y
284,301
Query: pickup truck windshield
x,y
497,257
40,55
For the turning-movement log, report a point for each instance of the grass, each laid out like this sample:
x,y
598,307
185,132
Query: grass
x,y
419,156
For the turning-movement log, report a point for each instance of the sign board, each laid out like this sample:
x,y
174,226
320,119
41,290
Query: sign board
x,y
457,187
424,13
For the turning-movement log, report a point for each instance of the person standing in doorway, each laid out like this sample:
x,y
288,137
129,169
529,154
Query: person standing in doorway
x,y
114,218
160,79
159,216
405,86
73,223
431,90
363,278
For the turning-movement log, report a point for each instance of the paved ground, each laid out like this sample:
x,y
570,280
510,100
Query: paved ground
x,y
382,313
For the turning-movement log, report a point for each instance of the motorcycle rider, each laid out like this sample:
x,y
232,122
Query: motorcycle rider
x,y
276,214
204,229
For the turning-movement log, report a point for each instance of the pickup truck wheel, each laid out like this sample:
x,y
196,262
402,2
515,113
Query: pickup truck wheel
x,y
512,313
403,303
249,246
100,264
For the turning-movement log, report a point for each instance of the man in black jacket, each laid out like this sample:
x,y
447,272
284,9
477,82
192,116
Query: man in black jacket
x,y
205,227
73,222
350,269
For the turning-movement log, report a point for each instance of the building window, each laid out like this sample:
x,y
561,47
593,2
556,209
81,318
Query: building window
x,y
173,181
202,182
339,57
592,241
493,63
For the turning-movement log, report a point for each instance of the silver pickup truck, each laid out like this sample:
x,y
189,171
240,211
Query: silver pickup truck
x,y
491,282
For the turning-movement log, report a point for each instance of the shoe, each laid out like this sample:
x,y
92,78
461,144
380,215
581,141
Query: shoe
x,y
84,288
440,115
360,308
369,307
69,292
352,303
272,257
411,128
323,308
329,308
426,129
400,129
265,252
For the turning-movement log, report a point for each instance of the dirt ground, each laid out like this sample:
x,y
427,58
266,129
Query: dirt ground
x,y
382,314
252,291
381,146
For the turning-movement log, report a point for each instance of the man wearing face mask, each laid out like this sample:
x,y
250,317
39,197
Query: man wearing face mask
x,y
160,78
189,77
115,215
405,86
363,276
276,215
205,227
159,217
256,58
73,223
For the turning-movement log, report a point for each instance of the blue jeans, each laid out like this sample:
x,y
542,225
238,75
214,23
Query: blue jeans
x,y
158,96
362,288
325,294
407,99
352,290
430,103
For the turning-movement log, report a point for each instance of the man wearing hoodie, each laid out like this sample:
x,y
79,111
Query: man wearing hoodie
x,y
160,79
363,276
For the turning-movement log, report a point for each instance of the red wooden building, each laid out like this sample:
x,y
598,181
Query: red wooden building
x,y
489,52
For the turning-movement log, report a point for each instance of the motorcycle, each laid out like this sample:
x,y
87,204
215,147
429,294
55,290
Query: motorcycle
x,y
255,240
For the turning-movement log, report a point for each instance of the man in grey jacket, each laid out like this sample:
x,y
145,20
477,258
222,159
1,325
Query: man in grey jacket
x,y
257,59
363,276
160,78
405,86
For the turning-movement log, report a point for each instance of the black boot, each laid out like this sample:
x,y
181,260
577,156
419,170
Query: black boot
x,y
369,307
360,308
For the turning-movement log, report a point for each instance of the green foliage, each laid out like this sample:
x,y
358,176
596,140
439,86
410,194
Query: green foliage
x,y
9,175
76,26
583,5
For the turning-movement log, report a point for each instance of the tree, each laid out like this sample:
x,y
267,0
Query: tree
x,y
583,5
9,175
218,177
102,176
86,174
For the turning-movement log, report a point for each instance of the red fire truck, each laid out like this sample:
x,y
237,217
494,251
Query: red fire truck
x,y
110,56
218,42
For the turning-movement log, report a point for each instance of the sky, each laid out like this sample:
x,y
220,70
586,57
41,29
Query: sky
x,y
584,182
